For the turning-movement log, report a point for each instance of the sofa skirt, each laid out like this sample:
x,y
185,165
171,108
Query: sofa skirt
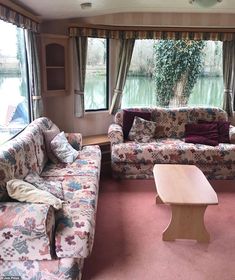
x,y
145,171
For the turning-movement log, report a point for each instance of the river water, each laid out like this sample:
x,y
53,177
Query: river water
x,y
140,91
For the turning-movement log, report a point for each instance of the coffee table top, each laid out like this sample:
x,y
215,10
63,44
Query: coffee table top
x,y
183,184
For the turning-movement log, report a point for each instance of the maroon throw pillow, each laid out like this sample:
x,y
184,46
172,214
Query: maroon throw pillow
x,y
223,130
200,140
204,133
128,118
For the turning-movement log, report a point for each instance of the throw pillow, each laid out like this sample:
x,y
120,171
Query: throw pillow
x,y
195,139
232,134
62,149
142,130
223,130
128,118
43,184
203,133
25,192
49,135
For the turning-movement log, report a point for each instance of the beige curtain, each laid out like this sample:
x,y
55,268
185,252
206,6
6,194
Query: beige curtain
x,y
126,50
9,15
34,74
80,57
228,74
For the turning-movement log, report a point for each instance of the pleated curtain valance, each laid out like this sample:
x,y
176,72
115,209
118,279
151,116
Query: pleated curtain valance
x,y
10,15
115,32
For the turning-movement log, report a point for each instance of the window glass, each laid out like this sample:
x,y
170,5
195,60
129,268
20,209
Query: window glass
x,y
96,97
147,80
14,109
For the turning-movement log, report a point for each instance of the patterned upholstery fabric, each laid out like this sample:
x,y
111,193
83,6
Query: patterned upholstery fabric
x,y
75,140
34,243
136,160
28,235
59,269
76,221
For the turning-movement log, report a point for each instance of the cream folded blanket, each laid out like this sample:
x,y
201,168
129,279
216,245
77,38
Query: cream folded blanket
x,y
26,192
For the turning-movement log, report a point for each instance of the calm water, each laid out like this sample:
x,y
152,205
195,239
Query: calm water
x,y
139,91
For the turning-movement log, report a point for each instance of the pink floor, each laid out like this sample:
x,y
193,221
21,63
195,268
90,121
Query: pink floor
x,y
128,240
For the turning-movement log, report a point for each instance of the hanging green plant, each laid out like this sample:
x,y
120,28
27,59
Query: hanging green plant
x,y
178,64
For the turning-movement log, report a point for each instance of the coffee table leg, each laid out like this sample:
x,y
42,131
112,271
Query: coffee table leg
x,y
187,222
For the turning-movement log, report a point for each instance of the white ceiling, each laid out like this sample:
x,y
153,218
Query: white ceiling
x,y
61,9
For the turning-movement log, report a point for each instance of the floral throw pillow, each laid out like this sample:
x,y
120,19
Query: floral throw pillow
x,y
44,184
49,136
62,149
142,130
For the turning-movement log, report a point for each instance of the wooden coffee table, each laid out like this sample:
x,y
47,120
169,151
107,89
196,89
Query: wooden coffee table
x,y
189,193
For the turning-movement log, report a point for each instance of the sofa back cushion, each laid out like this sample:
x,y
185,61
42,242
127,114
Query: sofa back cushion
x,y
36,129
23,154
171,121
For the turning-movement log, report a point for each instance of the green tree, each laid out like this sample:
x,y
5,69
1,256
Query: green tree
x,y
178,64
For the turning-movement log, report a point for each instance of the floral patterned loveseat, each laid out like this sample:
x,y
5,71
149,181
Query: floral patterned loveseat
x,y
37,241
131,159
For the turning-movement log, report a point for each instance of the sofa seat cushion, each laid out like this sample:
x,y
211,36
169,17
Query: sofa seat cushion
x,y
170,150
87,163
75,222
26,231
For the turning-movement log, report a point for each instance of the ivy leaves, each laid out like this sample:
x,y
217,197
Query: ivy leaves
x,y
176,61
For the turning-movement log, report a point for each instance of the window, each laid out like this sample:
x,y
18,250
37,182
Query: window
x,y
14,105
141,89
96,81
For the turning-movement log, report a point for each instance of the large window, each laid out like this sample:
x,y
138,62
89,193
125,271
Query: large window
x,y
96,82
147,79
14,105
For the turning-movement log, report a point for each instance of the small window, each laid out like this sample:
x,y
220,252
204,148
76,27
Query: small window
x,y
14,100
149,61
96,81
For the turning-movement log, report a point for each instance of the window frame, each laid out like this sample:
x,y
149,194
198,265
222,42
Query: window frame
x,y
29,101
107,81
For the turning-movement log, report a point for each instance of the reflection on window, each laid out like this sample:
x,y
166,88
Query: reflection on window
x,y
96,75
14,112
141,89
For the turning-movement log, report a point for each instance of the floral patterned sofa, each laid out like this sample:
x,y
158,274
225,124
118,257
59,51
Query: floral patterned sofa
x,y
131,159
36,241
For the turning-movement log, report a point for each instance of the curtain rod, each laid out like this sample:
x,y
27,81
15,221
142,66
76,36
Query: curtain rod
x,y
153,28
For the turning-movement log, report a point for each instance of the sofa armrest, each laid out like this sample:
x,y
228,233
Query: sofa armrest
x,y
115,134
26,231
75,140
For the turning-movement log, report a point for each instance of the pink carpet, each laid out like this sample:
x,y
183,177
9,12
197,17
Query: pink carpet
x,y
128,240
